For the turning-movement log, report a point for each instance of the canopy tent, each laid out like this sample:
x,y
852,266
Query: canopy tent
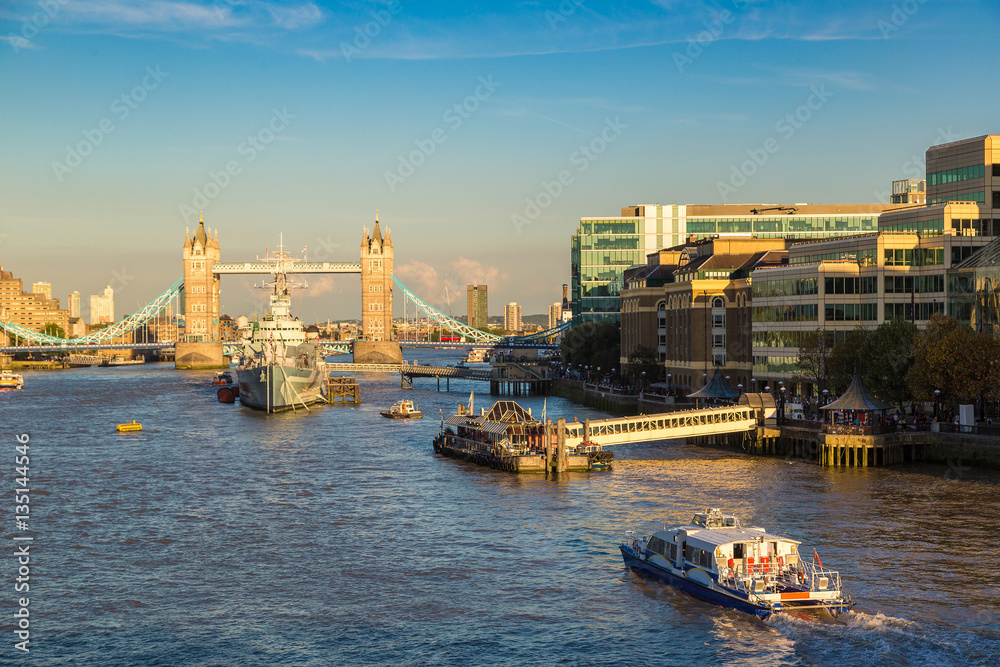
x,y
857,397
717,388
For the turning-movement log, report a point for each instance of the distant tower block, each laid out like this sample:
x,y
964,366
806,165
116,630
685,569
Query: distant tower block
x,y
377,345
200,345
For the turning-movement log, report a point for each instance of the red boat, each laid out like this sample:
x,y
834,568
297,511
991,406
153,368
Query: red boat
x,y
223,377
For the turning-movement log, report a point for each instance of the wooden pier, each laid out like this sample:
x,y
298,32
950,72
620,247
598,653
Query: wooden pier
x,y
407,372
519,379
343,390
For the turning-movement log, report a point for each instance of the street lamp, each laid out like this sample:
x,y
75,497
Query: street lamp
x,y
670,384
753,384
937,397
782,390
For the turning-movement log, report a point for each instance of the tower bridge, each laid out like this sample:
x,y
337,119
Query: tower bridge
x,y
202,347
201,344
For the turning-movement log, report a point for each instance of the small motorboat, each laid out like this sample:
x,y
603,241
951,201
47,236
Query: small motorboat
x,y
223,377
10,380
129,426
476,356
716,559
403,410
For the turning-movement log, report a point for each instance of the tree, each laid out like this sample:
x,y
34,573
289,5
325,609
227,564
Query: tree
x,y
948,359
814,357
642,360
53,329
845,361
594,344
886,356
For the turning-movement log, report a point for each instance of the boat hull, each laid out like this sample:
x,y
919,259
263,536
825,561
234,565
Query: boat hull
x,y
726,599
396,415
276,388
692,588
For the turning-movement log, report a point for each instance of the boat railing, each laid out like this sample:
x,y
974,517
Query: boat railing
x,y
501,448
820,578
758,578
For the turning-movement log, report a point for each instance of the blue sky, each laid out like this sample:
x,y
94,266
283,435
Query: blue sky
x,y
120,119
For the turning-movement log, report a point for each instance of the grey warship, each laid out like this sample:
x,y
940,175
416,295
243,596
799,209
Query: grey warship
x,y
282,367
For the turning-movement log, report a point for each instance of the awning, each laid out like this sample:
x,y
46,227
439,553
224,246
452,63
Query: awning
x,y
717,387
477,423
857,397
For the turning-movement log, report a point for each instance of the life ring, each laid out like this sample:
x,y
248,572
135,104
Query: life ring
x,y
802,577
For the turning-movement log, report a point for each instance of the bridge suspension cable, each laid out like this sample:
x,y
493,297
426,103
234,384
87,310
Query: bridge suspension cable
x,y
445,321
129,324
475,334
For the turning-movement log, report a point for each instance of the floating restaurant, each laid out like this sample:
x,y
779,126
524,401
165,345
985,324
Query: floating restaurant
x,y
507,437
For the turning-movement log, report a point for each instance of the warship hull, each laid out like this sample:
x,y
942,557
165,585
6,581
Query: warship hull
x,y
275,388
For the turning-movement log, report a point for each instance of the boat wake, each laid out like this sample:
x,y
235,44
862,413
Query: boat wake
x,y
882,639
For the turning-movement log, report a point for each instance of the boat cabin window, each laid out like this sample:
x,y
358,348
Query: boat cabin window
x,y
738,550
657,545
697,556
713,520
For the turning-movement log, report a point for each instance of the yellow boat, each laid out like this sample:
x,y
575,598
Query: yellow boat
x,y
132,425
10,380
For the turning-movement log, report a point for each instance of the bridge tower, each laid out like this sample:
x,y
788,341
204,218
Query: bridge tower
x,y
376,344
200,346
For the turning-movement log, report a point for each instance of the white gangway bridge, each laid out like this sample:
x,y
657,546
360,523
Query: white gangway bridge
x,y
666,426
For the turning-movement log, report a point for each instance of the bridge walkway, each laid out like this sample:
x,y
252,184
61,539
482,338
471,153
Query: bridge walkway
x,y
666,426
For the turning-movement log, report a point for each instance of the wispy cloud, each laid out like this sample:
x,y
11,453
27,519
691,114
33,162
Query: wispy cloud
x,y
18,42
149,17
159,14
447,289
428,31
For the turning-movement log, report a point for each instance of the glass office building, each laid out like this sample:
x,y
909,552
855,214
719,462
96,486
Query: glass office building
x,y
603,248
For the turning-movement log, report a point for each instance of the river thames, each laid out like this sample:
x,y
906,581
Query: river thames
x,y
219,536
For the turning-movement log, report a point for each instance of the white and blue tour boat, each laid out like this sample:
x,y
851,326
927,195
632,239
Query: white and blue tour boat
x,y
718,560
